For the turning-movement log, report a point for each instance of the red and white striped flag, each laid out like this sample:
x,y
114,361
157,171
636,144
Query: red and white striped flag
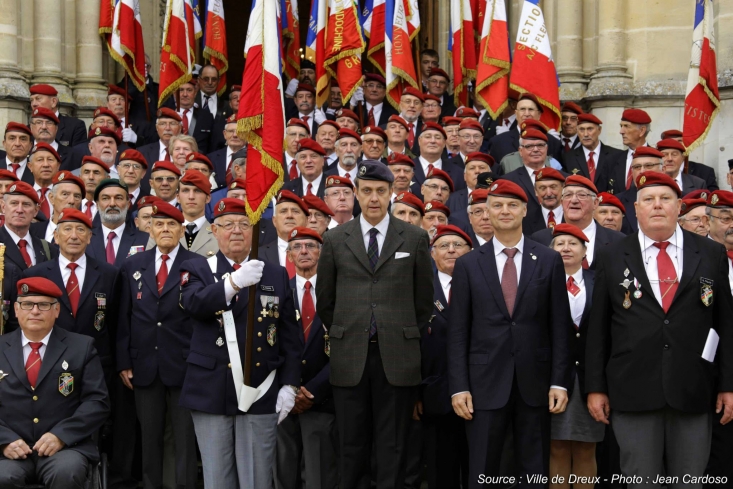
x,y
175,55
375,25
215,42
492,79
315,49
193,27
463,49
124,37
400,67
344,46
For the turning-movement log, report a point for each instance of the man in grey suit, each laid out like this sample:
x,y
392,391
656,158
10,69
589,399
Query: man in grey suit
x,y
374,289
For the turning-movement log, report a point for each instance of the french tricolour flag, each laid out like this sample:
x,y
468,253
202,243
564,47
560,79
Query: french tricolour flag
x,y
126,40
315,48
399,67
463,49
374,28
492,80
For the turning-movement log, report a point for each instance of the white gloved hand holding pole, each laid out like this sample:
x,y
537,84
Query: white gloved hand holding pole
x,y
249,274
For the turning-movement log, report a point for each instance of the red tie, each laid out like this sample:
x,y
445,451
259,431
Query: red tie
x,y
45,207
34,362
371,117
430,169
22,244
567,143
309,190
551,220
15,167
305,119
162,273
347,175
730,256
410,134
573,287
309,310
628,179
110,248
2,220
88,209
236,266
592,166
185,121
290,267
585,264
293,170
667,275
506,122
72,288
167,155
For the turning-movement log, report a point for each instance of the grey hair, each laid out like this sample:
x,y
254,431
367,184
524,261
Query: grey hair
x,y
239,162
552,242
183,138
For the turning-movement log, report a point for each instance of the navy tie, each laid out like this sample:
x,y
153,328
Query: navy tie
x,y
373,253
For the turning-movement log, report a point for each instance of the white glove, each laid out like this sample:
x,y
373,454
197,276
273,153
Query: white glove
x,y
292,87
319,116
285,402
357,97
129,136
249,274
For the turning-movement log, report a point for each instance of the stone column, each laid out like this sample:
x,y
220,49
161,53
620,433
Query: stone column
x,y
89,90
569,57
611,77
48,20
13,88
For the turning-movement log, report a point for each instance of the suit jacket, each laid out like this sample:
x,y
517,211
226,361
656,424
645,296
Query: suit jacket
x,y
387,112
575,163
615,174
217,131
604,238
691,183
454,170
646,359
270,253
489,346
220,102
458,205
508,142
578,336
27,175
204,243
154,333
435,396
71,131
208,384
268,233
448,107
74,417
219,160
137,104
202,122
151,152
12,252
627,198
131,236
398,292
705,172
533,221
296,186
10,295
96,315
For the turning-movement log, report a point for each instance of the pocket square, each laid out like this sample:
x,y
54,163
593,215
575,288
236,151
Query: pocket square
x,y
400,254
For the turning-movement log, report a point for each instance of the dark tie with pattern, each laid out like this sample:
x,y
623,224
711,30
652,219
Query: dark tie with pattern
x,y
373,254
34,362
509,279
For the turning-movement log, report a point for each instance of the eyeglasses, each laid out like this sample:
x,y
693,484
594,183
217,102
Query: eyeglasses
x,y
473,137
725,220
646,166
373,142
374,86
298,247
411,103
696,220
480,212
210,79
581,196
168,123
42,306
127,166
434,187
431,106
165,179
229,226
572,118
534,147
456,246
44,123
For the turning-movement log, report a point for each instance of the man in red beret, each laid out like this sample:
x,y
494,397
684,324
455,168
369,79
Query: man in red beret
x,y
319,214
373,143
451,125
411,103
326,136
44,164
673,162
436,214
348,150
430,109
347,119
478,217
311,159
103,144
167,125
692,216
438,185
678,287
54,397
406,207
194,192
514,160
20,205
67,193
438,83
164,177
432,144
396,130
295,130
71,131
370,99
476,164
136,134
610,212
92,172
403,169
305,107
645,159
17,142
569,125
548,189
44,125
7,178
694,168
196,121
471,137
199,162
340,199
131,169
290,212
634,129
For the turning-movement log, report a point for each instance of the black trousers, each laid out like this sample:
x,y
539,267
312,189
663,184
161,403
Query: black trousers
x,y
486,435
446,451
373,410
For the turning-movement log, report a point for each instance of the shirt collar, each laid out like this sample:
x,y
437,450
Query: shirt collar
x,y
590,231
171,255
300,281
282,245
577,277
499,247
445,279
8,163
15,237
677,239
25,340
198,222
118,232
63,261
381,225
595,150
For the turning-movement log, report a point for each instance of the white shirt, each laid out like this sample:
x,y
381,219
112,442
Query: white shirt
x,y
376,113
80,271
480,240
445,284
28,240
352,172
557,212
501,258
21,169
577,302
134,194
596,152
49,230
213,102
381,227
93,204
502,128
649,254
161,151
333,222
27,347
629,158
730,275
315,185
331,159
289,160
116,239
424,163
300,287
169,262
678,179
590,246
282,248
198,222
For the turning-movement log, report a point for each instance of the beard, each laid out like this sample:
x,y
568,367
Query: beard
x,y
113,215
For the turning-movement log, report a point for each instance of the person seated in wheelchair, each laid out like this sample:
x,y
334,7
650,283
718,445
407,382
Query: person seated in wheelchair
x,y
53,397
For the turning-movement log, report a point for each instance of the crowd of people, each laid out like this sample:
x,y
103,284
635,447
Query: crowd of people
x,y
441,298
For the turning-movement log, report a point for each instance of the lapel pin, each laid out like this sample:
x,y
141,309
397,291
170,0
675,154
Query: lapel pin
x,y
136,275
626,272
3,375
65,365
533,256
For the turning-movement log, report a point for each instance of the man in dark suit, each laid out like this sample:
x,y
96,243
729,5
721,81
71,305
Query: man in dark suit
x,y
71,131
48,441
308,434
18,142
634,129
115,239
348,149
304,107
222,158
132,133
579,202
153,341
591,158
515,368
196,122
479,227
310,161
44,126
206,97
659,299
645,159
411,105
374,106
569,137
168,124
66,193
21,206
431,142
476,164
471,137
138,112
290,212
226,412
673,161
694,168
438,83
373,327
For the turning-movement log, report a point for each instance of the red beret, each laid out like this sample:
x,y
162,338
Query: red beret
x,y
317,204
580,181
115,90
436,206
166,113
331,123
701,193
18,127
45,147
65,176
647,151
399,120
230,205
479,156
336,181
147,201
451,121
345,132
45,114
438,72
507,188
450,230
434,126
298,122
231,119
347,113
548,173
162,209
410,200
42,89
103,132
304,233
478,196
377,131
74,215
308,144
471,124
22,188
534,124
235,88
400,159
564,228
657,179
429,96
441,175
38,286
604,198
288,196
720,199
165,165
533,98
375,77
589,118
237,183
94,161
636,116
134,155
200,158
8,175
105,111
571,107
670,144
198,180
534,134
463,112
689,204
413,92
306,87
671,134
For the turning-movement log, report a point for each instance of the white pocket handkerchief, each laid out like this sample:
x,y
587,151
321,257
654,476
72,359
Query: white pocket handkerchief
x,y
400,254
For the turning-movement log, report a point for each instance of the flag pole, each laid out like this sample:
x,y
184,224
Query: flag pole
x,y
127,94
145,98
249,342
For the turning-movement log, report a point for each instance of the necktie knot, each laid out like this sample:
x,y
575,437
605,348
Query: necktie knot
x,y
236,266
373,232
22,244
190,228
111,235
536,172
510,252
662,245
35,346
348,175
591,154
43,191
72,266
164,258
308,286
730,254
571,281
566,140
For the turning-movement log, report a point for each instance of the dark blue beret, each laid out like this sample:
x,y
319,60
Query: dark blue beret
x,y
375,170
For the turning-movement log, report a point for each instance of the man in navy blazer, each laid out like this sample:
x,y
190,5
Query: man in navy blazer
x,y
21,206
508,355
224,157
